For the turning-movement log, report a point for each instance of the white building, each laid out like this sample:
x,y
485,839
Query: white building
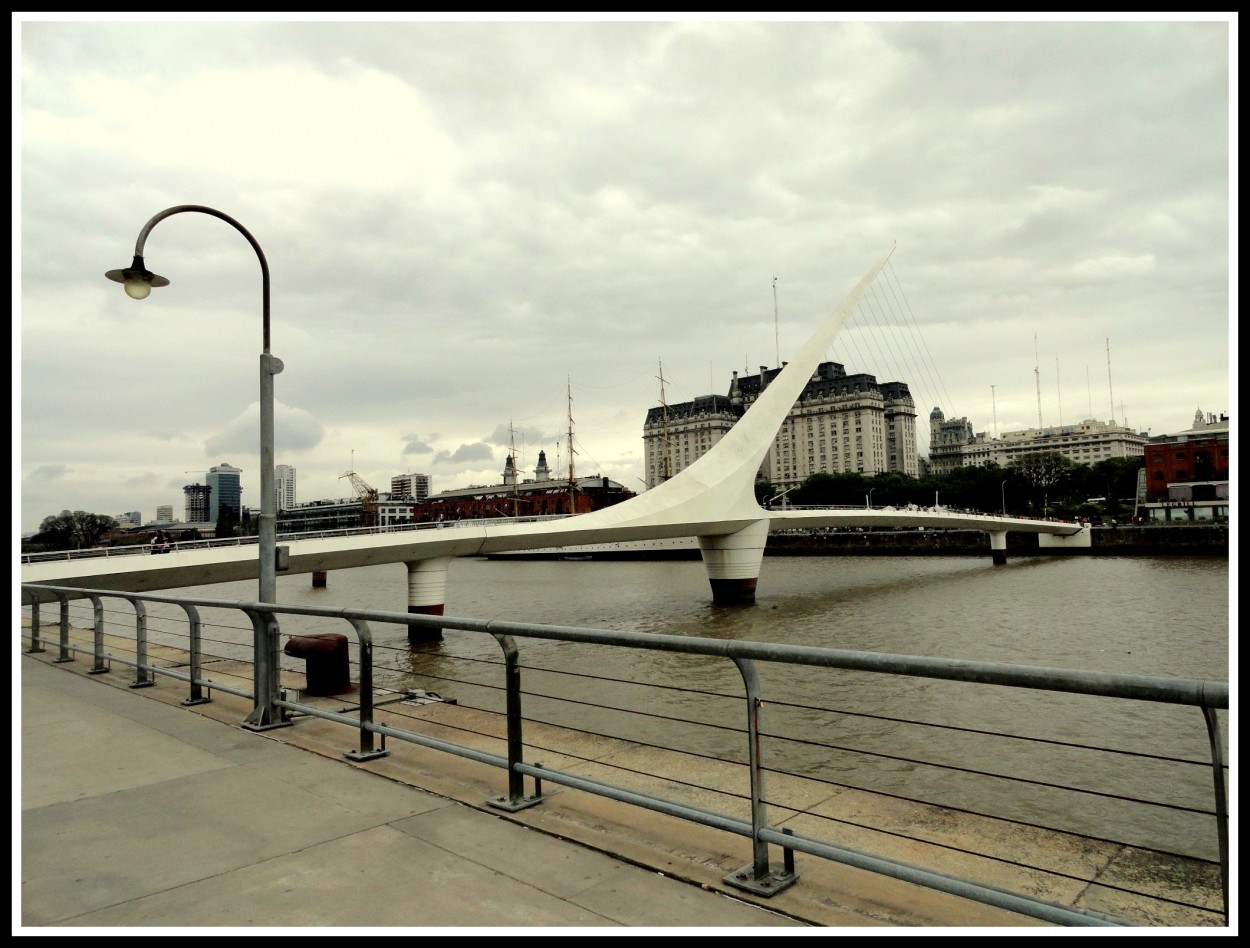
x,y
414,486
284,486
1087,443
165,513
840,423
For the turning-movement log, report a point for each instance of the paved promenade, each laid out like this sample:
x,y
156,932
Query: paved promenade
x,y
138,813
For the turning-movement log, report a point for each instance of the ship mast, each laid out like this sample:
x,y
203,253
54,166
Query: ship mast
x,y
516,497
572,475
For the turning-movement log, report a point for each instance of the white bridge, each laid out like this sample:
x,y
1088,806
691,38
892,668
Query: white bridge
x,y
713,499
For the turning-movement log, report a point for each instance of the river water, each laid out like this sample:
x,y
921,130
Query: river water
x,y
1158,616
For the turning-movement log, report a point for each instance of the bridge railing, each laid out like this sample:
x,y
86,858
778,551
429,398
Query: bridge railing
x,y
143,549
752,816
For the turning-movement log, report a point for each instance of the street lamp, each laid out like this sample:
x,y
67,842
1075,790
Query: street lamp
x,y
1004,488
138,281
868,499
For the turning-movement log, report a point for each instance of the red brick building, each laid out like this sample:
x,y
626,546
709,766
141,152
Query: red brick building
x,y
1185,477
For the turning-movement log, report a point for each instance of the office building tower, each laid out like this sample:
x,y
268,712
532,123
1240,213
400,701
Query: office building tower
x,y
227,487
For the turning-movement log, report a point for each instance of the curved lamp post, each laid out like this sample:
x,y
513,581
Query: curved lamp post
x,y
138,281
1004,490
868,499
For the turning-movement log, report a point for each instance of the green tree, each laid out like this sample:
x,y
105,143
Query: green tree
x,y
227,522
73,531
763,490
830,490
1044,472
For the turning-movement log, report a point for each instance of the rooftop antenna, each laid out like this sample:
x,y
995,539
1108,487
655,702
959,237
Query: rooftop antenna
x,y
572,476
776,325
994,403
1059,391
1037,377
665,473
1110,393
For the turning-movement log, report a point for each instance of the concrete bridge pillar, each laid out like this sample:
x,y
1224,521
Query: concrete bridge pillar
x,y
733,563
998,546
427,595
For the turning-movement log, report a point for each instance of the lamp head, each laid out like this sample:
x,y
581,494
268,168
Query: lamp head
x,y
137,279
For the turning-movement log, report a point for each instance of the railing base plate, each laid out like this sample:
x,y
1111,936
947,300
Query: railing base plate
x,y
777,880
358,755
504,803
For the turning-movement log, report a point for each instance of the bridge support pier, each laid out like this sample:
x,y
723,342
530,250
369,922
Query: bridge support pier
x,y
733,563
427,595
998,546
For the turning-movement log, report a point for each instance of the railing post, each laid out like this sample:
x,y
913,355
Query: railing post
x,y
516,798
266,672
365,638
97,642
66,655
758,877
35,644
1221,798
195,628
144,677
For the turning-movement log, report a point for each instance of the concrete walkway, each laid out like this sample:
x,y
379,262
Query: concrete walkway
x,y
141,813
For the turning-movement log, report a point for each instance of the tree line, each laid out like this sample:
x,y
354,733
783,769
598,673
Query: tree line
x,y
1044,483
81,530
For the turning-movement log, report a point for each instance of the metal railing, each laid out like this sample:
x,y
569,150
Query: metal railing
x,y
144,549
761,876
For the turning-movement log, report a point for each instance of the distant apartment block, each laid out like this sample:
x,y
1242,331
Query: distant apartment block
x,y
410,486
131,516
165,513
284,487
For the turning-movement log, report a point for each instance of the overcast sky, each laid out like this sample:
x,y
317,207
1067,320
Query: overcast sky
x,y
465,222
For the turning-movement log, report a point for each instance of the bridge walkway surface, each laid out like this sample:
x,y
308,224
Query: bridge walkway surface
x,y
138,812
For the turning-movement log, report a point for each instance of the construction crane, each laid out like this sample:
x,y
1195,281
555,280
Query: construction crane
x,y
368,498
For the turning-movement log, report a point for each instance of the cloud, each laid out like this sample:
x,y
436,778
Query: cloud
x,y
459,250
295,431
465,454
414,445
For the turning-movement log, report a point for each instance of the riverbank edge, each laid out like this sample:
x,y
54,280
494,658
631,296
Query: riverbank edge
x,y
1104,541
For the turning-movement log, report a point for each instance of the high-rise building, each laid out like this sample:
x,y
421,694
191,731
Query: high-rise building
x,y
165,513
284,487
227,487
134,517
840,423
196,500
414,486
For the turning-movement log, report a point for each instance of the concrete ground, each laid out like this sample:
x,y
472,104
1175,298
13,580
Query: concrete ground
x,y
138,812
